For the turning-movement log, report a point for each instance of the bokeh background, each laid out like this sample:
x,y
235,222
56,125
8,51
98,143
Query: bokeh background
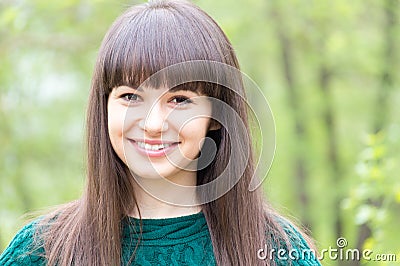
x,y
330,70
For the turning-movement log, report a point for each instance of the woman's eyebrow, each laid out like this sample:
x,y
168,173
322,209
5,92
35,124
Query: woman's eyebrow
x,y
140,89
181,88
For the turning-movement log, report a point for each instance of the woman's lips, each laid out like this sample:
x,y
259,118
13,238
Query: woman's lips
x,y
154,148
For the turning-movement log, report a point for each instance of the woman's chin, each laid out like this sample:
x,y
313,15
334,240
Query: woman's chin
x,y
150,175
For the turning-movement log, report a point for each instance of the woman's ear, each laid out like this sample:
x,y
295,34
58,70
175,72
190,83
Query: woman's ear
x,y
214,125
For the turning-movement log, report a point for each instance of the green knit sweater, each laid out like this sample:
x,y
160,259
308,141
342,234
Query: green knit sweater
x,y
172,241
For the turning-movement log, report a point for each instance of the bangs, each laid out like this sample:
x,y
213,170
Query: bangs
x,y
148,39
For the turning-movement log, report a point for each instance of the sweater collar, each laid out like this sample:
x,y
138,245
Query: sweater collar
x,y
165,231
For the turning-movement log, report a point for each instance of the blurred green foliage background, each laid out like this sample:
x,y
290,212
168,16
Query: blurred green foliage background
x,y
330,70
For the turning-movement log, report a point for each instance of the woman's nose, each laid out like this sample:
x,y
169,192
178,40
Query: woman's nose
x,y
154,120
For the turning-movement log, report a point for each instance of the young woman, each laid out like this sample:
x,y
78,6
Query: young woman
x,y
156,130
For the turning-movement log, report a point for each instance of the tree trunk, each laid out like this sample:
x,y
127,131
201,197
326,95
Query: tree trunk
x,y
332,142
389,66
300,171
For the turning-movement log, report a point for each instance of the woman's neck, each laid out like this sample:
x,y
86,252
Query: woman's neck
x,y
152,207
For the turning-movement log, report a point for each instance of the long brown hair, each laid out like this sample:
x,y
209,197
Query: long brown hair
x,y
143,40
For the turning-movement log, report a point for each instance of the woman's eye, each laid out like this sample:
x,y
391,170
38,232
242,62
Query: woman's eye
x,y
130,97
180,100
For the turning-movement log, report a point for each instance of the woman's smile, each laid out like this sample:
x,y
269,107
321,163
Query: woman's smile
x,y
154,148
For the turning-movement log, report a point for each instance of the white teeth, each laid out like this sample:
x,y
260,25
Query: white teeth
x,y
147,146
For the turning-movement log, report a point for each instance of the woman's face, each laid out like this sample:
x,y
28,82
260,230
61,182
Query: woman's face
x,y
158,132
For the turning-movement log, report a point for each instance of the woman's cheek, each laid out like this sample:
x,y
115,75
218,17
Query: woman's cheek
x,y
195,131
115,129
